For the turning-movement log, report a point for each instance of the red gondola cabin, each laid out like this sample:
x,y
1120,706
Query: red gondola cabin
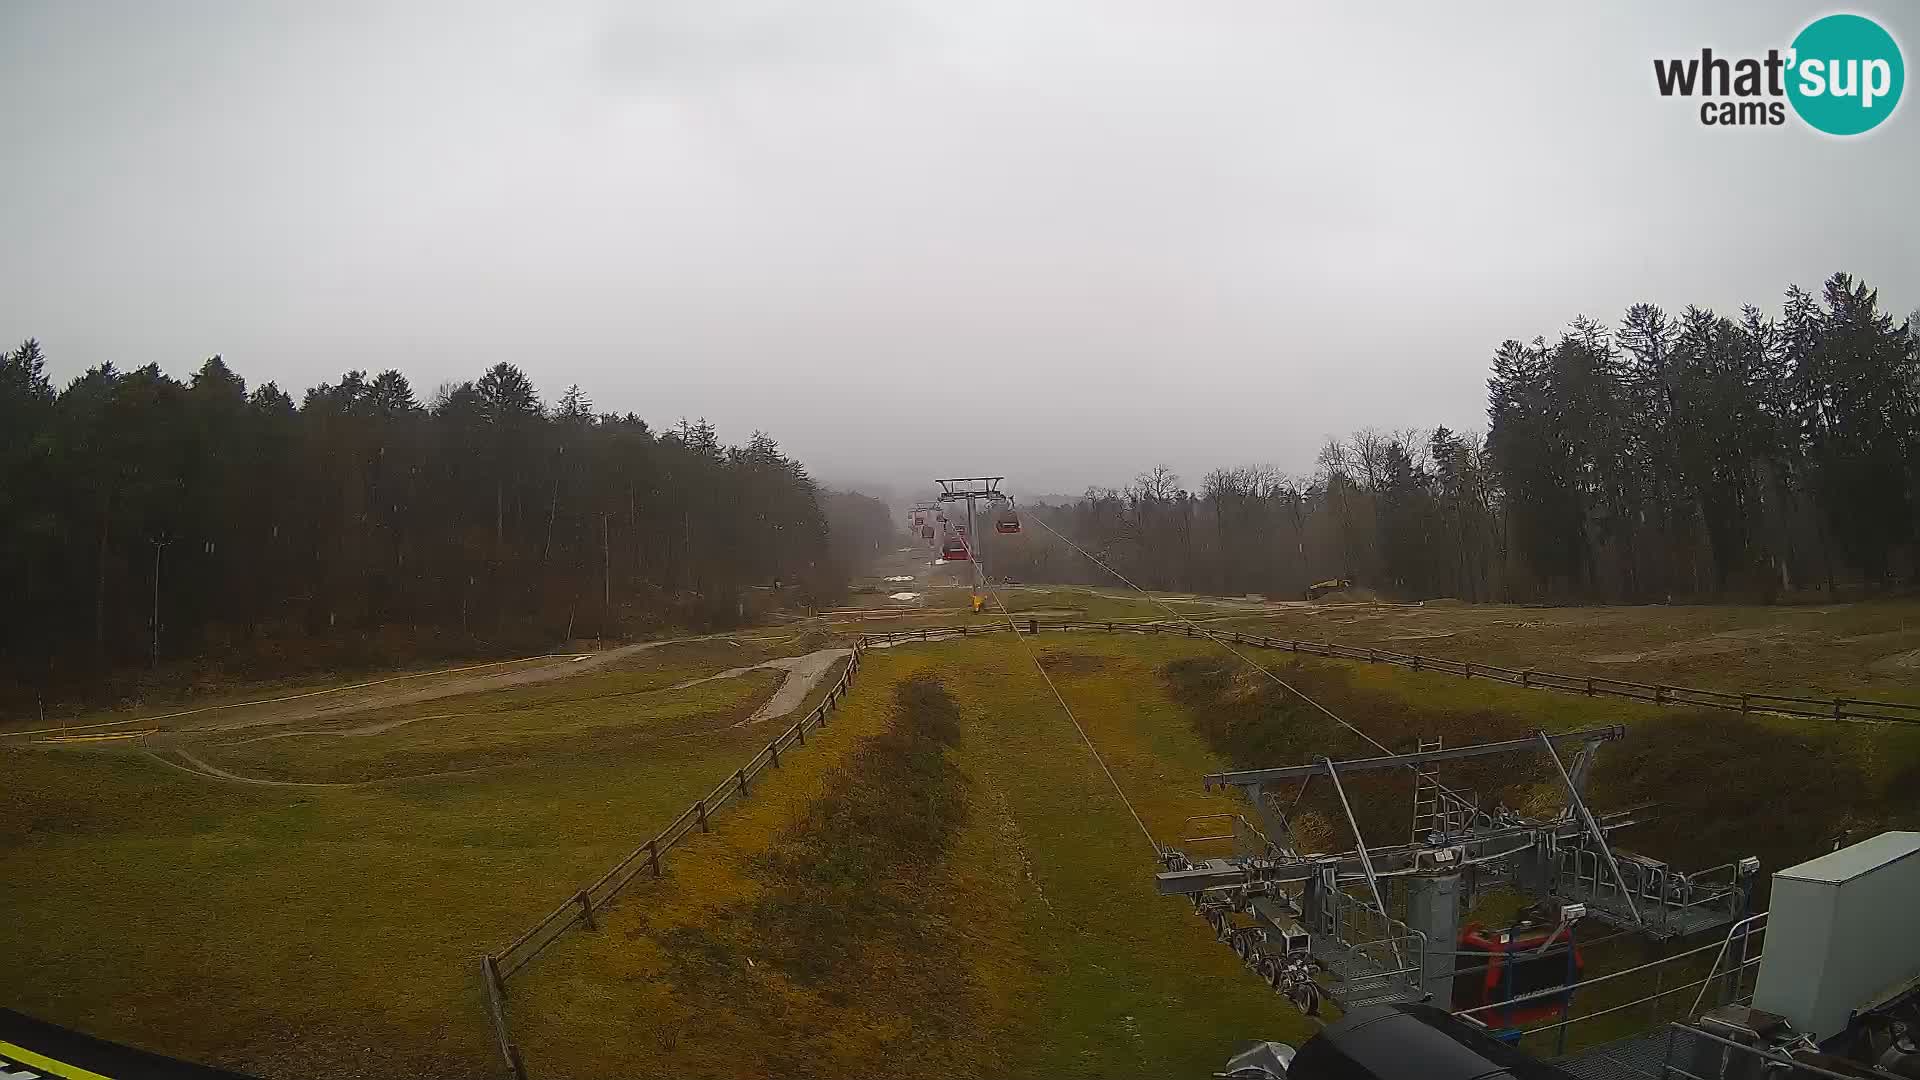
x,y
1514,969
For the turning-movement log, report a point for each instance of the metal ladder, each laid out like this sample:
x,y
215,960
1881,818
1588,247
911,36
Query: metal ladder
x,y
1427,815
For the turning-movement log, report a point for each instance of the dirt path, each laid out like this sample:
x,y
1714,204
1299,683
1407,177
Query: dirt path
x,y
328,704
213,772
362,731
305,708
803,672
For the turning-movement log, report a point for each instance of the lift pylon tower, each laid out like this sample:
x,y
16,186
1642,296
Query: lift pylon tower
x,y
1379,924
969,489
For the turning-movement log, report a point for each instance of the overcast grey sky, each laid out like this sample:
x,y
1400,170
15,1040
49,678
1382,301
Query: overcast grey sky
x,y
1063,241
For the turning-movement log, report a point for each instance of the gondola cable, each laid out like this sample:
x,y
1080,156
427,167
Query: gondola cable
x,y
1216,639
982,581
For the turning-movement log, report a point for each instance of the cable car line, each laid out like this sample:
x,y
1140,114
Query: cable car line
x,y
1216,639
981,580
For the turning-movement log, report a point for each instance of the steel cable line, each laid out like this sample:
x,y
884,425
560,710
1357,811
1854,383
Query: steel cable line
x,y
980,579
1216,639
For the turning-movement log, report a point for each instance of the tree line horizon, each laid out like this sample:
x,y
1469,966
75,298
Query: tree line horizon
x,y
1696,457
147,520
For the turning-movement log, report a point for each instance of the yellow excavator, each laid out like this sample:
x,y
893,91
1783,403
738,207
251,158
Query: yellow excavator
x,y
1321,588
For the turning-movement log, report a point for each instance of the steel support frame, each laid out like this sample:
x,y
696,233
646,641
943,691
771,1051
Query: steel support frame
x,y
1395,861
989,491
1599,835
1249,777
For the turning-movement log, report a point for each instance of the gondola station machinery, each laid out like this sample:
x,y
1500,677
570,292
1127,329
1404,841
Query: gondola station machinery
x,y
1378,933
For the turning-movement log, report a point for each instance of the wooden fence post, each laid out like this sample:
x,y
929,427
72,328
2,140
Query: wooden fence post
x,y
496,1007
1589,686
1659,695
702,807
493,972
1526,679
1416,661
653,856
586,909
1744,706
740,775
1468,671
1836,709
1033,627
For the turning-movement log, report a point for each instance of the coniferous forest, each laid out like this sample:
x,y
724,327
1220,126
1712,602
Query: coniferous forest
x,y
146,520
1696,456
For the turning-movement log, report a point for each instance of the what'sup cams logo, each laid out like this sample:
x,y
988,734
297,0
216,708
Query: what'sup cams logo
x,y
1842,75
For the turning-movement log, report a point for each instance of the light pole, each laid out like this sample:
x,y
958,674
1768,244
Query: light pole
x,y
159,545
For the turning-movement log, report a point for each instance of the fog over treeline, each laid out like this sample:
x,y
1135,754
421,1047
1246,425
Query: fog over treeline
x,y
1667,456
146,519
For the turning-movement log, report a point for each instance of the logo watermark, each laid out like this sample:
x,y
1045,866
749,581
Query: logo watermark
x,y
1842,75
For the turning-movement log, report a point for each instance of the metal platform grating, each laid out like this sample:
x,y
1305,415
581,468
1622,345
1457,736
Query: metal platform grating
x,y
1637,1057
1661,923
1357,980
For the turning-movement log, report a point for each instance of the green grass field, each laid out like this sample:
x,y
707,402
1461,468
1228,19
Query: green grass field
x,y
1046,941
333,930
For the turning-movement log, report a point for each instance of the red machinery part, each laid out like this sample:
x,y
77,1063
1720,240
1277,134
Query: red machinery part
x,y
1513,971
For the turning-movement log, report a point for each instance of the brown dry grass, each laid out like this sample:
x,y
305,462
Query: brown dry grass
x,y
1846,649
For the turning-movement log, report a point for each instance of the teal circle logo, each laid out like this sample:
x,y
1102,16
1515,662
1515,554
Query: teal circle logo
x,y
1846,74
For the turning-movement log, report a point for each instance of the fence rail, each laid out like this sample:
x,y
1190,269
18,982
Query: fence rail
x,y
582,908
1835,708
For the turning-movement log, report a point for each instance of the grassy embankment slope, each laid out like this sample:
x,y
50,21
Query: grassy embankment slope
x,y
1109,979
1867,649
332,930
1024,940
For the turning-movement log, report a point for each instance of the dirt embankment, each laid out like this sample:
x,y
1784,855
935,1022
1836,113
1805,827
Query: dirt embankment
x,y
1723,786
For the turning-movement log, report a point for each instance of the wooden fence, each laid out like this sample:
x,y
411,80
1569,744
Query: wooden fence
x,y
581,908
1837,708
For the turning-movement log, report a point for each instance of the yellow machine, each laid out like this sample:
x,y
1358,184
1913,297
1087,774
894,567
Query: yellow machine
x,y
1321,588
